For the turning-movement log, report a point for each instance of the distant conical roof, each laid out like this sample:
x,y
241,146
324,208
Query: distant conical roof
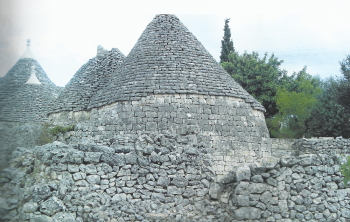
x,y
26,91
168,59
21,72
95,74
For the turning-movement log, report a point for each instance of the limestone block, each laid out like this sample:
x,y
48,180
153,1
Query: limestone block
x,y
92,157
40,218
30,207
269,162
93,179
247,213
215,190
243,174
175,190
52,206
243,200
64,217
243,188
179,182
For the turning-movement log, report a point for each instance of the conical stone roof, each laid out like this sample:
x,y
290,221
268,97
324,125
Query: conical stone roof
x,y
21,72
26,92
30,103
168,59
93,75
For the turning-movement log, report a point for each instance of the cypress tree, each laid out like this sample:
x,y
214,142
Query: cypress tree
x,y
226,44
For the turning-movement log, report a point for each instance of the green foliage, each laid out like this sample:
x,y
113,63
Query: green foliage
x,y
60,129
295,102
329,118
261,77
343,86
48,133
331,115
44,137
344,169
226,43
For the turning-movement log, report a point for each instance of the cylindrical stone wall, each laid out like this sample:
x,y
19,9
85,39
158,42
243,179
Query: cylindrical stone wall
x,y
227,126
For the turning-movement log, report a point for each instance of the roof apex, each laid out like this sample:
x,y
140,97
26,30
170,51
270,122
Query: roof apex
x,y
28,54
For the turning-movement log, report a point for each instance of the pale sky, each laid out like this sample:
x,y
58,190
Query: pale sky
x,y
65,34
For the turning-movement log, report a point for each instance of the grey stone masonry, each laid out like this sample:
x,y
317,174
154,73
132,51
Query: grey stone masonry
x,y
168,59
92,76
156,181
30,103
227,125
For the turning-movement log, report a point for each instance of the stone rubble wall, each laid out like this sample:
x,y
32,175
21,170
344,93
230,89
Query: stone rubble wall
x,y
157,181
15,134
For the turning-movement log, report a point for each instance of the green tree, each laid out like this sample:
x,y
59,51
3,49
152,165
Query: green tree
x,y
331,115
295,102
261,77
328,118
226,43
344,84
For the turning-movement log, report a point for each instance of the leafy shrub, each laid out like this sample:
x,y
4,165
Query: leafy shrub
x,y
60,129
45,137
48,133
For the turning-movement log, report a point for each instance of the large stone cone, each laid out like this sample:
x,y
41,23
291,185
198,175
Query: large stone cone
x,y
168,59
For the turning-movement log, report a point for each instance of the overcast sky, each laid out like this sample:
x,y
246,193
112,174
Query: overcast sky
x,y
65,34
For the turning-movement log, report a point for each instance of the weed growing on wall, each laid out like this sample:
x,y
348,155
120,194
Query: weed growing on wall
x,y
45,137
49,132
345,171
60,129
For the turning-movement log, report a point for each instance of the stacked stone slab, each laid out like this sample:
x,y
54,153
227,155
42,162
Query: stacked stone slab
x,y
93,75
22,101
168,59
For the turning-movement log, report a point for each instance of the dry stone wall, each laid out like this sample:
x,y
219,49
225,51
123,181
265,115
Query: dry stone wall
x,y
16,134
147,178
327,146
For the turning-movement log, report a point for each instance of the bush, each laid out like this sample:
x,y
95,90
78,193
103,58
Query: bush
x,y
60,129
48,133
45,137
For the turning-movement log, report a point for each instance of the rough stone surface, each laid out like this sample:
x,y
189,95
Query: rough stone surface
x,y
165,135
92,76
168,59
182,188
21,102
